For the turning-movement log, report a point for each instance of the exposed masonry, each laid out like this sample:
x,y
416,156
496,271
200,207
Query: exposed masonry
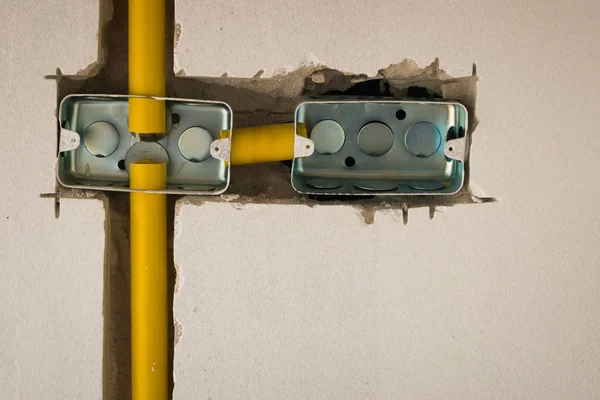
x,y
259,101
255,101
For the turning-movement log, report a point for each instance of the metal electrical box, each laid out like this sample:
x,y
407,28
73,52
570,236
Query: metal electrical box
x,y
96,147
374,146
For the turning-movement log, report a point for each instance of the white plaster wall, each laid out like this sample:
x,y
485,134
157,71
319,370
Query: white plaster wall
x,y
498,300
51,270
490,301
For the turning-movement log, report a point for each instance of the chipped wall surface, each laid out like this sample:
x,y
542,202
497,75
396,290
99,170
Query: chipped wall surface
x,y
496,300
51,285
293,299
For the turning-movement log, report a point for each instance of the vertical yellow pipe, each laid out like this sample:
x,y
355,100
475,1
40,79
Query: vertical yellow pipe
x,y
148,241
148,219
147,65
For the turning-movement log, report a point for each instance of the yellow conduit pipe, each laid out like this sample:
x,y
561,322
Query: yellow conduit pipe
x,y
147,65
148,211
148,224
263,143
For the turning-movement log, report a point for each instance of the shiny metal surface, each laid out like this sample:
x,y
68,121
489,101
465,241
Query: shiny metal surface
x,y
323,183
90,164
375,139
328,136
194,144
148,151
101,139
422,139
391,147
427,185
377,186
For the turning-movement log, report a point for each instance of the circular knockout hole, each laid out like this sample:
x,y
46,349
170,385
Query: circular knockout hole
x,y
121,164
101,139
400,114
323,183
328,136
194,144
422,139
175,118
350,162
375,139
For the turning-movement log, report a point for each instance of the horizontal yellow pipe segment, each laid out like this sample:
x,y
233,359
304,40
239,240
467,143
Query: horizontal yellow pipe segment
x,y
261,144
148,241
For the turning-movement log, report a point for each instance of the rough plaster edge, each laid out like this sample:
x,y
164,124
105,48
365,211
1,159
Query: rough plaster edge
x,y
257,101
270,100
320,80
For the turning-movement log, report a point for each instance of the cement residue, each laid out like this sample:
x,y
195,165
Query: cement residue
x,y
255,101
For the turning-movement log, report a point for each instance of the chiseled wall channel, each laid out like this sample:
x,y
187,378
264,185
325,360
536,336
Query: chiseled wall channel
x,y
284,300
